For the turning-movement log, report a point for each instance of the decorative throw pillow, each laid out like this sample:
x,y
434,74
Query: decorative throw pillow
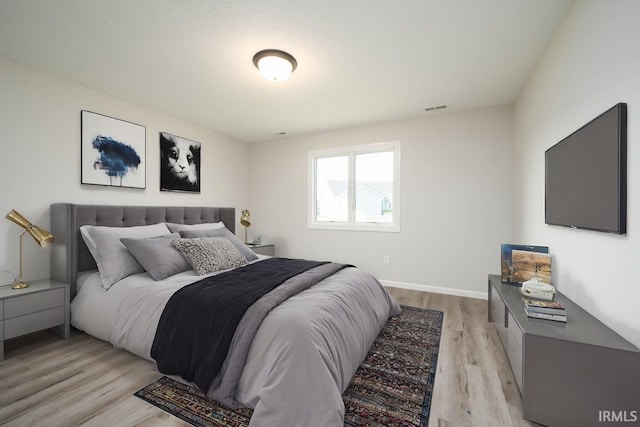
x,y
209,254
222,232
158,255
175,228
114,261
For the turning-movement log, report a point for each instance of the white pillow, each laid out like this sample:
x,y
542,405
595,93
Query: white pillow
x,y
176,228
114,261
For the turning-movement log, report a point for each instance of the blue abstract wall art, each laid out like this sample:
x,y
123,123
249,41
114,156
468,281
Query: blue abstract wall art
x,y
116,158
113,151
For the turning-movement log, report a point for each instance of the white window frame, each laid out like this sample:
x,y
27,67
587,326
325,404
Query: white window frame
x,y
351,224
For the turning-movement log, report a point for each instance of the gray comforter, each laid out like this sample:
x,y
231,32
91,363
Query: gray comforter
x,y
300,361
307,348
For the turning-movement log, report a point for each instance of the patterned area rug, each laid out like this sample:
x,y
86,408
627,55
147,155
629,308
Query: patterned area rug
x,y
391,388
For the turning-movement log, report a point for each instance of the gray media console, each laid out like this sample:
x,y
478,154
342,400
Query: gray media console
x,y
569,374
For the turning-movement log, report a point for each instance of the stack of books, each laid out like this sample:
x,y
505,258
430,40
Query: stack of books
x,y
549,310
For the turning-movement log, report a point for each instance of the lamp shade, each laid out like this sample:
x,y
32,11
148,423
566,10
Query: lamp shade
x,y
275,65
40,235
245,218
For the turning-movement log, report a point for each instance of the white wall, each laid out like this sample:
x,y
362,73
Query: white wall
x,y
40,152
591,65
456,200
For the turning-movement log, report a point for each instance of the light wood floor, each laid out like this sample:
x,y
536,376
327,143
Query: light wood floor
x,y
46,381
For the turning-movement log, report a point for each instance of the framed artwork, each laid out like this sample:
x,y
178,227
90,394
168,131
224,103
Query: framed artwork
x,y
519,263
179,164
112,151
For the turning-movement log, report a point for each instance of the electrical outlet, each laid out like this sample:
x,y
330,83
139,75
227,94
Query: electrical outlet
x,y
385,259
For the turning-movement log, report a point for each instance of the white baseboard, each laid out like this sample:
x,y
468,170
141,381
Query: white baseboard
x,y
436,289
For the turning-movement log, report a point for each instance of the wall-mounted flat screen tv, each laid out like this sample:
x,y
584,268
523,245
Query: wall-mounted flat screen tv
x,y
586,175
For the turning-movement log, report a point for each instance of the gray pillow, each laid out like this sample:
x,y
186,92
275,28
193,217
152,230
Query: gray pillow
x,y
209,254
175,228
114,261
158,255
222,232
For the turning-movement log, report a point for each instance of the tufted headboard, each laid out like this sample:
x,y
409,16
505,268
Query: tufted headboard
x,y
70,255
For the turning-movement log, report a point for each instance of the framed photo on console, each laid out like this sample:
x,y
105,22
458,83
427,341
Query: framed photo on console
x,y
519,263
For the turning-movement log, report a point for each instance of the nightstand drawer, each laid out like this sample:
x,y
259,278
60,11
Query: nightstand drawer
x,y
33,302
268,250
33,322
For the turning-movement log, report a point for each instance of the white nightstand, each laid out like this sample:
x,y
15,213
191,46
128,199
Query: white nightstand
x,y
269,250
44,304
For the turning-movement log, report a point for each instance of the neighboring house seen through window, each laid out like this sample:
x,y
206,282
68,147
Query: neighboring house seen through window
x,y
355,188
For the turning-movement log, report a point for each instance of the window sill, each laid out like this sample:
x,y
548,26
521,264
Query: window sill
x,y
375,227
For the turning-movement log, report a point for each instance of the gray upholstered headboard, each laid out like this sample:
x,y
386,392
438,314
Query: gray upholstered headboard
x,y
70,255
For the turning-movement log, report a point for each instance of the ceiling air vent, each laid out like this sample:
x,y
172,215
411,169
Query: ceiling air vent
x,y
437,107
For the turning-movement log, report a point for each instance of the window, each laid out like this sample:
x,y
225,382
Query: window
x,y
355,188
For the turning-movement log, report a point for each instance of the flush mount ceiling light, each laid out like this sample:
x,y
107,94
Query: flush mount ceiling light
x,y
275,65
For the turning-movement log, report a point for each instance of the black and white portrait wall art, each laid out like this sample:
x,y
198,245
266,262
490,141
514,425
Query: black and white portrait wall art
x,y
112,151
179,164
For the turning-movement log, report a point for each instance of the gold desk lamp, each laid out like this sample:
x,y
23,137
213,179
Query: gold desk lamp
x,y
41,236
245,220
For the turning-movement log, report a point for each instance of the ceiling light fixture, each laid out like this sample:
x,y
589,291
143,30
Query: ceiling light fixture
x,y
275,65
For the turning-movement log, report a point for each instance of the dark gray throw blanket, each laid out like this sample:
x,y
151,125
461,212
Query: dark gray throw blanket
x,y
199,320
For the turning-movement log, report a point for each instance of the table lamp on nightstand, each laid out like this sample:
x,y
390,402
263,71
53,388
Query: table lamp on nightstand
x,y
41,236
245,220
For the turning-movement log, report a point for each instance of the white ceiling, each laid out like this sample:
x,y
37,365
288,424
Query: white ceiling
x,y
359,61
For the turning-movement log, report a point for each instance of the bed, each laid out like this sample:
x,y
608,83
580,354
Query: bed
x,y
289,360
